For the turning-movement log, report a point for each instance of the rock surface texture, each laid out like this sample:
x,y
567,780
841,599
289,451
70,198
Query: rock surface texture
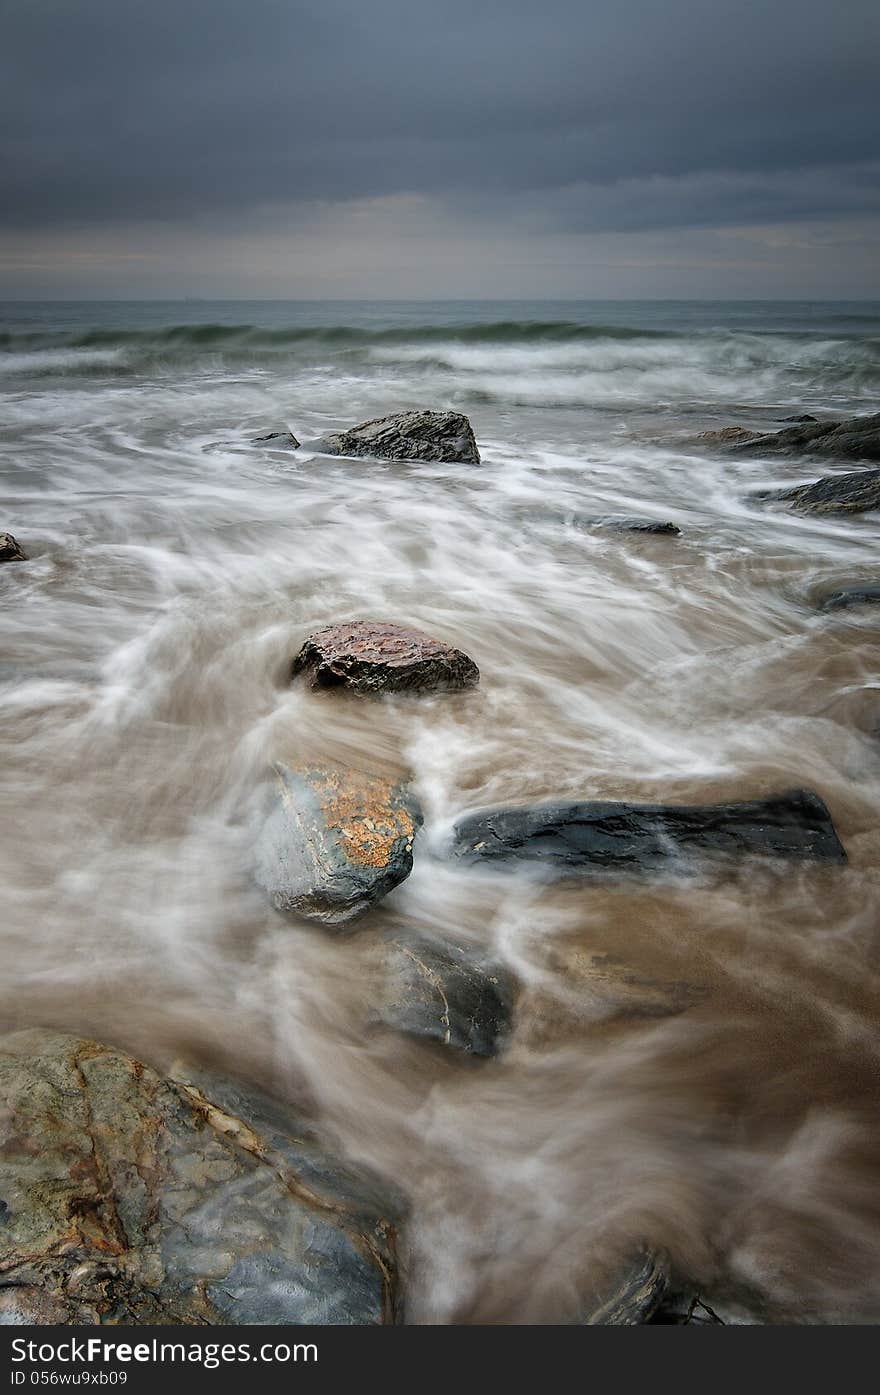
x,y
858,492
369,657
10,550
132,1198
634,1297
443,993
600,835
441,436
335,842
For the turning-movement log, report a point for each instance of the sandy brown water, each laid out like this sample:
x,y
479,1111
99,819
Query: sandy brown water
x,y
175,570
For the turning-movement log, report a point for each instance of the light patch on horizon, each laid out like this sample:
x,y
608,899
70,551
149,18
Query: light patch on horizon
x,y
417,249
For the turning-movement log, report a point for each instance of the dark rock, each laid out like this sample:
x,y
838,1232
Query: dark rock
x,y
10,550
801,420
847,596
138,1199
620,523
633,1298
858,492
369,656
599,835
335,842
441,436
856,438
282,440
447,994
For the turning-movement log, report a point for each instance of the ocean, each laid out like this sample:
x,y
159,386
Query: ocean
x,y
174,569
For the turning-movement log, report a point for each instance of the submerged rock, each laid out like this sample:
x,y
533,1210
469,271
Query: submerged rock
x,y
10,550
440,436
634,1297
611,988
448,995
858,492
370,656
604,835
847,596
621,523
335,842
284,440
132,1198
856,438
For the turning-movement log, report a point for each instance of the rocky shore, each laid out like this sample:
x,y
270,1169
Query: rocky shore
x,y
132,1196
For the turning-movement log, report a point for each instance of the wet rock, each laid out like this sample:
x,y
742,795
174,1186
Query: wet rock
x,y
366,656
133,1198
281,440
440,436
601,835
10,550
801,420
856,438
448,995
847,596
858,492
335,842
621,523
728,434
634,1297
613,522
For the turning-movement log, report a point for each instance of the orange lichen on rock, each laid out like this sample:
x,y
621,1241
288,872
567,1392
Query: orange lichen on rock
x,y
363,814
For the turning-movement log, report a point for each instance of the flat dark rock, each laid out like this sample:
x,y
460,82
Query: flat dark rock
x,y
448,995
10,550
847,596
855,438
801,420
335,842
370,657
622,523
858,492
441,436
131,1198
602,835
284,440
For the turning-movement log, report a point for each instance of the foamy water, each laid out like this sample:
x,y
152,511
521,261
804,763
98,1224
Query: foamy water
x,y
175,569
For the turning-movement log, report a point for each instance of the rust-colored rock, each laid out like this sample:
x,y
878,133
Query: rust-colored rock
x,y
335,842
727,435
375,656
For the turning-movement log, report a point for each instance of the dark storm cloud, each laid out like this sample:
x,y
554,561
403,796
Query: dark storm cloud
x,y
120,110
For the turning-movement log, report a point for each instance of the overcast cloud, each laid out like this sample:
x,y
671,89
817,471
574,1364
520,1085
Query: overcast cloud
x,y
286,139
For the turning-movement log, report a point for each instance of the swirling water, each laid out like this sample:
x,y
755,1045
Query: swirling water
x,y
175,568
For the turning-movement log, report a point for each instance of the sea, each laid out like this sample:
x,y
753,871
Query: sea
x,y
694,1064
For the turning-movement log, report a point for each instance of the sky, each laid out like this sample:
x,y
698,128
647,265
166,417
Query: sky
x,y
439,149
